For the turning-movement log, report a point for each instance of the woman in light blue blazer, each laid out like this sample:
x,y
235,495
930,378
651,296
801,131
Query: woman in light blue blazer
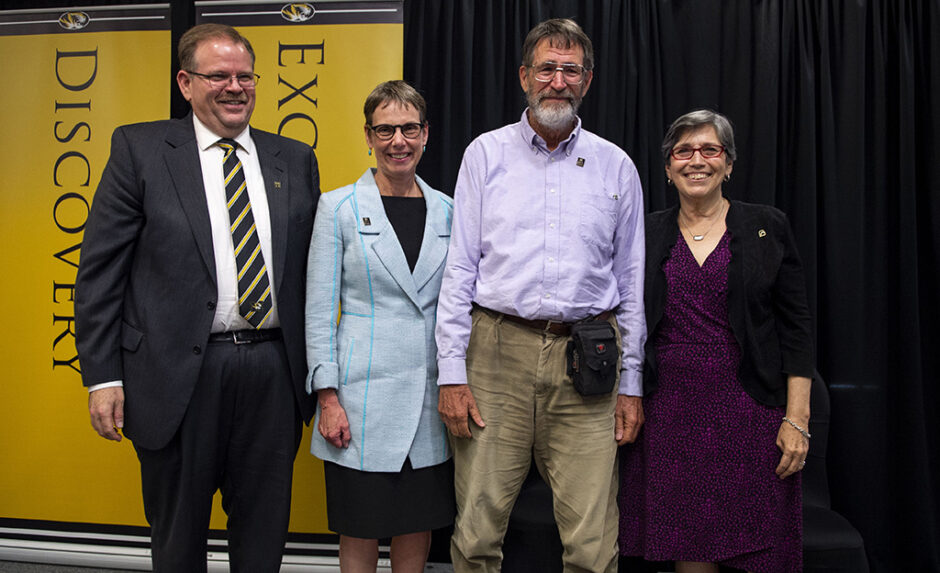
x,y
376,260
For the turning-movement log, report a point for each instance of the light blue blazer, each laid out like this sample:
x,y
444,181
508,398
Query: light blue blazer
x,y
381,357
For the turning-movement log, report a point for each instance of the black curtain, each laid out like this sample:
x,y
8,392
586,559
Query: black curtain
x,y
835,106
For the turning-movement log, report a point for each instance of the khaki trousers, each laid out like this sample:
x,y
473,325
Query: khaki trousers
x,y
531,410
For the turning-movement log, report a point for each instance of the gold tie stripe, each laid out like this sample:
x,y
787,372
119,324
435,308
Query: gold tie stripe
x,y
254,288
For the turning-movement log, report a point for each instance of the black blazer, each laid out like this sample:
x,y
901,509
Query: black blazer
x,y
766,298
146,291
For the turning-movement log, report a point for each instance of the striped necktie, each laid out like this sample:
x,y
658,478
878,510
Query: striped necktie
x,y
254,289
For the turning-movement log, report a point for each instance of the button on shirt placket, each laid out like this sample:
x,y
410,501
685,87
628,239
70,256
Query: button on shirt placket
x,y
553,228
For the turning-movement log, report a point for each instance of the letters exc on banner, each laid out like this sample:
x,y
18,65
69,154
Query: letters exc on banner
x,y
299,94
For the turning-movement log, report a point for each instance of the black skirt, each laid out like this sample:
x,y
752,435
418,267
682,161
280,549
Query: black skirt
x,y
378,505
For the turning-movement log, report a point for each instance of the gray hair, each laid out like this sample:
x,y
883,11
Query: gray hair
x,y
694,120
561,33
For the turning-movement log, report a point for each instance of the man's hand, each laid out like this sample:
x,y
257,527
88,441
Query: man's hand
x,y
456,406
106,407
334,426
628,418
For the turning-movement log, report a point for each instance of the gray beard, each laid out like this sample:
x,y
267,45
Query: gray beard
x,y
554,118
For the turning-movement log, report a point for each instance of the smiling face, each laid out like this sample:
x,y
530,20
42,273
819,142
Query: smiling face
x,y
226,110
554,105
398,157
699,177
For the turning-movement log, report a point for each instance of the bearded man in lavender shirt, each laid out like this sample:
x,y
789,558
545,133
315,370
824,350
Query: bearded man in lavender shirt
x,y
547,232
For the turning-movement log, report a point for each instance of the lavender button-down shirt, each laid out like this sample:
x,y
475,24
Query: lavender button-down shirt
x,y
541,234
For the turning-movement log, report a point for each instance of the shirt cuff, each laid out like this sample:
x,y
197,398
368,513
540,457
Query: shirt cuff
x,y
451,371
631,383
103,385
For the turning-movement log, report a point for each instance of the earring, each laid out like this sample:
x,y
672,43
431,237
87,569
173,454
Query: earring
x,y
669,182
728,177
370,152
423,149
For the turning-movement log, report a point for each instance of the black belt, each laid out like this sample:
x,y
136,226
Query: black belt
x,y
247,336
550,326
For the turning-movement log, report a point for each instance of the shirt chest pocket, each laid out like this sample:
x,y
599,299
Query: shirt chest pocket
x,y
598,220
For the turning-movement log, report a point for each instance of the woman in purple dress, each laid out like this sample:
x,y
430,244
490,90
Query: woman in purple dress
x,y
714,477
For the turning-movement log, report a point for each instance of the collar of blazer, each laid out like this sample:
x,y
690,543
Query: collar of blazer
x,y
372,220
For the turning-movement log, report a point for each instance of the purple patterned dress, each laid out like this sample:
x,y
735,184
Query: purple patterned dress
x,y
699,484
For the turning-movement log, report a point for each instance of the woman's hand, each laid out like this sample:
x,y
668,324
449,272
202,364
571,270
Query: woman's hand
x,y
333,423
794,447
791,441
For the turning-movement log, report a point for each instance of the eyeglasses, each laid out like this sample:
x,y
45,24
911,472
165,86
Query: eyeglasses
x,y
573,74
685,153
221,80
385,131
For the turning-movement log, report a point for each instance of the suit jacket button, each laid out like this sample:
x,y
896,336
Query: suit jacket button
x,y
210,305
197,349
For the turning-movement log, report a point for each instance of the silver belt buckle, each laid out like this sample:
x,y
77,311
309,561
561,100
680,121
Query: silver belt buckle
x,y
237,340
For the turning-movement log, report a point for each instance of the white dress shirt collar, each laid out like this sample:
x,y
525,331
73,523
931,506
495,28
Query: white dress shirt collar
x,y
205,138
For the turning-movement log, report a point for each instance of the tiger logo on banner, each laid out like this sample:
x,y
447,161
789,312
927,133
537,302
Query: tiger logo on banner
x,y
297,12
73,20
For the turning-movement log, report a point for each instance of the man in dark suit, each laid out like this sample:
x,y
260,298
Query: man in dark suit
x,y
190,308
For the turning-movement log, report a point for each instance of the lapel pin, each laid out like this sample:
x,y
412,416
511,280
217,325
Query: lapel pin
x,y
277,184
366,221
762,233
580,162
615,197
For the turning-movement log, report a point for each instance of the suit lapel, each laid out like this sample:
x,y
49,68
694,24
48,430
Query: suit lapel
x,y
277,190
374,221
436,237
182,163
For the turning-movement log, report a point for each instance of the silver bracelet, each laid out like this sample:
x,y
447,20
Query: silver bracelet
x,y
798,428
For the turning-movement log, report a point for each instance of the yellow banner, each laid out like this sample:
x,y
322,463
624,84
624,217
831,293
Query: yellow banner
x,y
78,75
68,91
313,84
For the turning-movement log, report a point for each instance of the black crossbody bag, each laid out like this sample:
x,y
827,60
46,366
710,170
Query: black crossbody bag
x,y
592,357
